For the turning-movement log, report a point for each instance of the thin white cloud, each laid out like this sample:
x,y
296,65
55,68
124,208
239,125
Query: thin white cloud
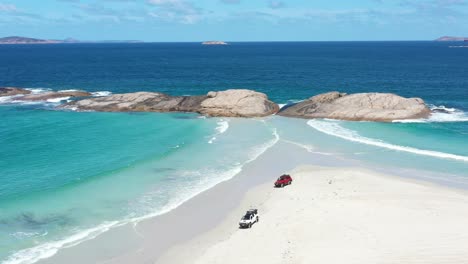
x,y
8,8
275,4
230,1
175,11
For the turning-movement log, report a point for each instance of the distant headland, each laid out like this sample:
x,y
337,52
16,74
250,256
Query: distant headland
x,y
449,38
26,40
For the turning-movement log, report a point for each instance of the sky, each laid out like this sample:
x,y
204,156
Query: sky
x,y
234,20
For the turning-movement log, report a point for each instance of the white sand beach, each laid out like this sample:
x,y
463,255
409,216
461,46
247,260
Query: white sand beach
x,y
339,215
336,211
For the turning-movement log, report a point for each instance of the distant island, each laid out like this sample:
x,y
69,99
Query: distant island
x,y
26,40
23,40
214,43
448,38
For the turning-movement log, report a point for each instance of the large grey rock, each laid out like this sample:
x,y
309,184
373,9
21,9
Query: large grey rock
x,y
10,91
230,103
53,95
238,103
138,102
383,107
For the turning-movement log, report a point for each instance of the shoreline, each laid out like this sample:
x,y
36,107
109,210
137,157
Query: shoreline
x,y
157,238
346,212
130,238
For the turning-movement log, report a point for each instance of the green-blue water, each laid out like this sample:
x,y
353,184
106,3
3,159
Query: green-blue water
x,y
68,176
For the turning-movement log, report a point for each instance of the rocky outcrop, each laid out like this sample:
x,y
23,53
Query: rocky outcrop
x,y
230,103
381,107
139,102
53,95
10,91
238,103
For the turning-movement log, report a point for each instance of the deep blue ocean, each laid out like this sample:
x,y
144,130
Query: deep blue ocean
x,y
68,176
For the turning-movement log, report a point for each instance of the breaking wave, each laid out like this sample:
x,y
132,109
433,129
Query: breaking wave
x,y
289,103
334,129
101,93
440,114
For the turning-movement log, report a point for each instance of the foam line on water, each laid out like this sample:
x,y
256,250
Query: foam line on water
x,y
334,129
309,148
223,126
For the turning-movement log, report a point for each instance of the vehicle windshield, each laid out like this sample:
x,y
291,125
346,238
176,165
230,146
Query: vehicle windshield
x,y
246,217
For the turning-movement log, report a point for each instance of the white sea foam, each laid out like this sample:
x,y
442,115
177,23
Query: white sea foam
x,y
440,114
223,126
6,99
289,102
101,93
46,250
38,90
58,100
69,91
334,129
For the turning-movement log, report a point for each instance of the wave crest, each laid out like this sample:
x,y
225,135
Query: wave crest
x,y
334,129
440,114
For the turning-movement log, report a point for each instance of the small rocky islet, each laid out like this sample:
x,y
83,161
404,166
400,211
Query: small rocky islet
x,y
381,107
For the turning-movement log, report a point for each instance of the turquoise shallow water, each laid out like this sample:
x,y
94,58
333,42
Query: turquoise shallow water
x,y
68,176
78,174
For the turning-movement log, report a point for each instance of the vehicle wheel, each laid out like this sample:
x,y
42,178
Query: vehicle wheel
x,y
258,219
282,185
250,225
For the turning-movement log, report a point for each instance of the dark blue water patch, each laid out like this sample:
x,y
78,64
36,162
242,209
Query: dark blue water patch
x,y
283,70
32,222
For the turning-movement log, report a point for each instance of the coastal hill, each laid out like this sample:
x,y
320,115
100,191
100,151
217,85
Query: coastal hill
x,y
449,38
26,40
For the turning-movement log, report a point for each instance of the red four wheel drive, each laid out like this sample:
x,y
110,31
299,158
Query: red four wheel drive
x,y
283,180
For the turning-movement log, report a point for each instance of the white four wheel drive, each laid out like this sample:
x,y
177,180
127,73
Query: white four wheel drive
x,y
250,218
